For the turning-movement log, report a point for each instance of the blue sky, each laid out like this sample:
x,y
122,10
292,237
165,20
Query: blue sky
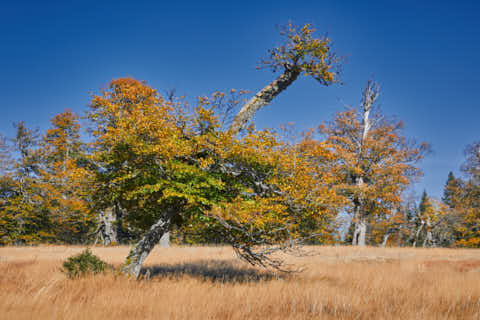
x,y
424,54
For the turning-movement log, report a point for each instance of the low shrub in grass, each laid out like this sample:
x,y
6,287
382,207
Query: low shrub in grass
x,y
84,264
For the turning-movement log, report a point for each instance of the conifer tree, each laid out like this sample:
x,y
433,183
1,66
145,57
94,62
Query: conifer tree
x,y
451,190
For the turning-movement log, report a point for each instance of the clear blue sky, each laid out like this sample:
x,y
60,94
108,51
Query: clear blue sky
x,y
425,55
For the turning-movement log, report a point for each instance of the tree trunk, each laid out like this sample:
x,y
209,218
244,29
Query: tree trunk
x,y
110,228
385,239
369,96
264,97
165,240
417,234
429,238
139,253
107,229
360,234
360,230
356,230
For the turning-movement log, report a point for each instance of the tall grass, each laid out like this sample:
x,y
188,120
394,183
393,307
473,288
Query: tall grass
x,y
209,283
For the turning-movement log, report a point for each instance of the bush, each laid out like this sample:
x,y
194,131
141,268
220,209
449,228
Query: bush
x,y
84,264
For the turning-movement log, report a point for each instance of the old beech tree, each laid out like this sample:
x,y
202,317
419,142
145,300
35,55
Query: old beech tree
x,y
374,162
166,166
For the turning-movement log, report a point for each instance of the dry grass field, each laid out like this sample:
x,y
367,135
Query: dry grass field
x,y
210,283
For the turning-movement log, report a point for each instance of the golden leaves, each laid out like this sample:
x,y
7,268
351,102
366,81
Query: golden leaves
x,y
303,52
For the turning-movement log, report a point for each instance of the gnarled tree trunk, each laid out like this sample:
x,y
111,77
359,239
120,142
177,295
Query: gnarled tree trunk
x,y
107,227
136,257
360,231
429,237
264,97
418,233
369,96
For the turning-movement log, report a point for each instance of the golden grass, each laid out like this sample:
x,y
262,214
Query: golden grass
x,y
209,283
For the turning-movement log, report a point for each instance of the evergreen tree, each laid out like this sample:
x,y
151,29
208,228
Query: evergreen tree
x,y
422,206
450,192
420,227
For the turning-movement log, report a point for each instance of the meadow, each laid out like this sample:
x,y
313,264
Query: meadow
x,y
210,283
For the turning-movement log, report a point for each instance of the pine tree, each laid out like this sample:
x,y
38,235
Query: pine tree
x,y
451,190
423,205
420,220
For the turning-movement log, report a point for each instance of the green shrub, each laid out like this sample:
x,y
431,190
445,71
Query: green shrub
x,y
83,264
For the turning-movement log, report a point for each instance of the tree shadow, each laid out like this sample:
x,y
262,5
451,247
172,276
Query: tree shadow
x,y
222,271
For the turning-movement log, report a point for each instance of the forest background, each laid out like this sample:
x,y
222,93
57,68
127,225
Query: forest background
x,y
409,59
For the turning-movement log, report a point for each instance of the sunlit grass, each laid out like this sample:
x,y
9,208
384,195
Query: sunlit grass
x,y
209,283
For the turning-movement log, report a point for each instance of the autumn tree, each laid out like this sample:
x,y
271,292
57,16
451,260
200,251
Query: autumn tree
x,y
374,164
388,229
300,53
436,223
469,210
6,191
24,217
464,197
168,167
423,233
66,179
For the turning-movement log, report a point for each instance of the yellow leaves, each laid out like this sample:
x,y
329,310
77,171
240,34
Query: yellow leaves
x,y
204,163
255,214
155,154
301,51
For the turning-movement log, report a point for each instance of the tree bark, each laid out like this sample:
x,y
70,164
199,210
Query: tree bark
x,y
165,240
142,249
385,239
417,234
369,96
107,229
360,233
429,238
264,97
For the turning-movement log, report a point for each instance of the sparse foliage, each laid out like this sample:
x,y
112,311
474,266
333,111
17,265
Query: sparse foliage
x,y
300,53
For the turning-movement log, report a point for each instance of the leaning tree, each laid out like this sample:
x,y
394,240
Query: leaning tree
x,y
166,166
300,53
